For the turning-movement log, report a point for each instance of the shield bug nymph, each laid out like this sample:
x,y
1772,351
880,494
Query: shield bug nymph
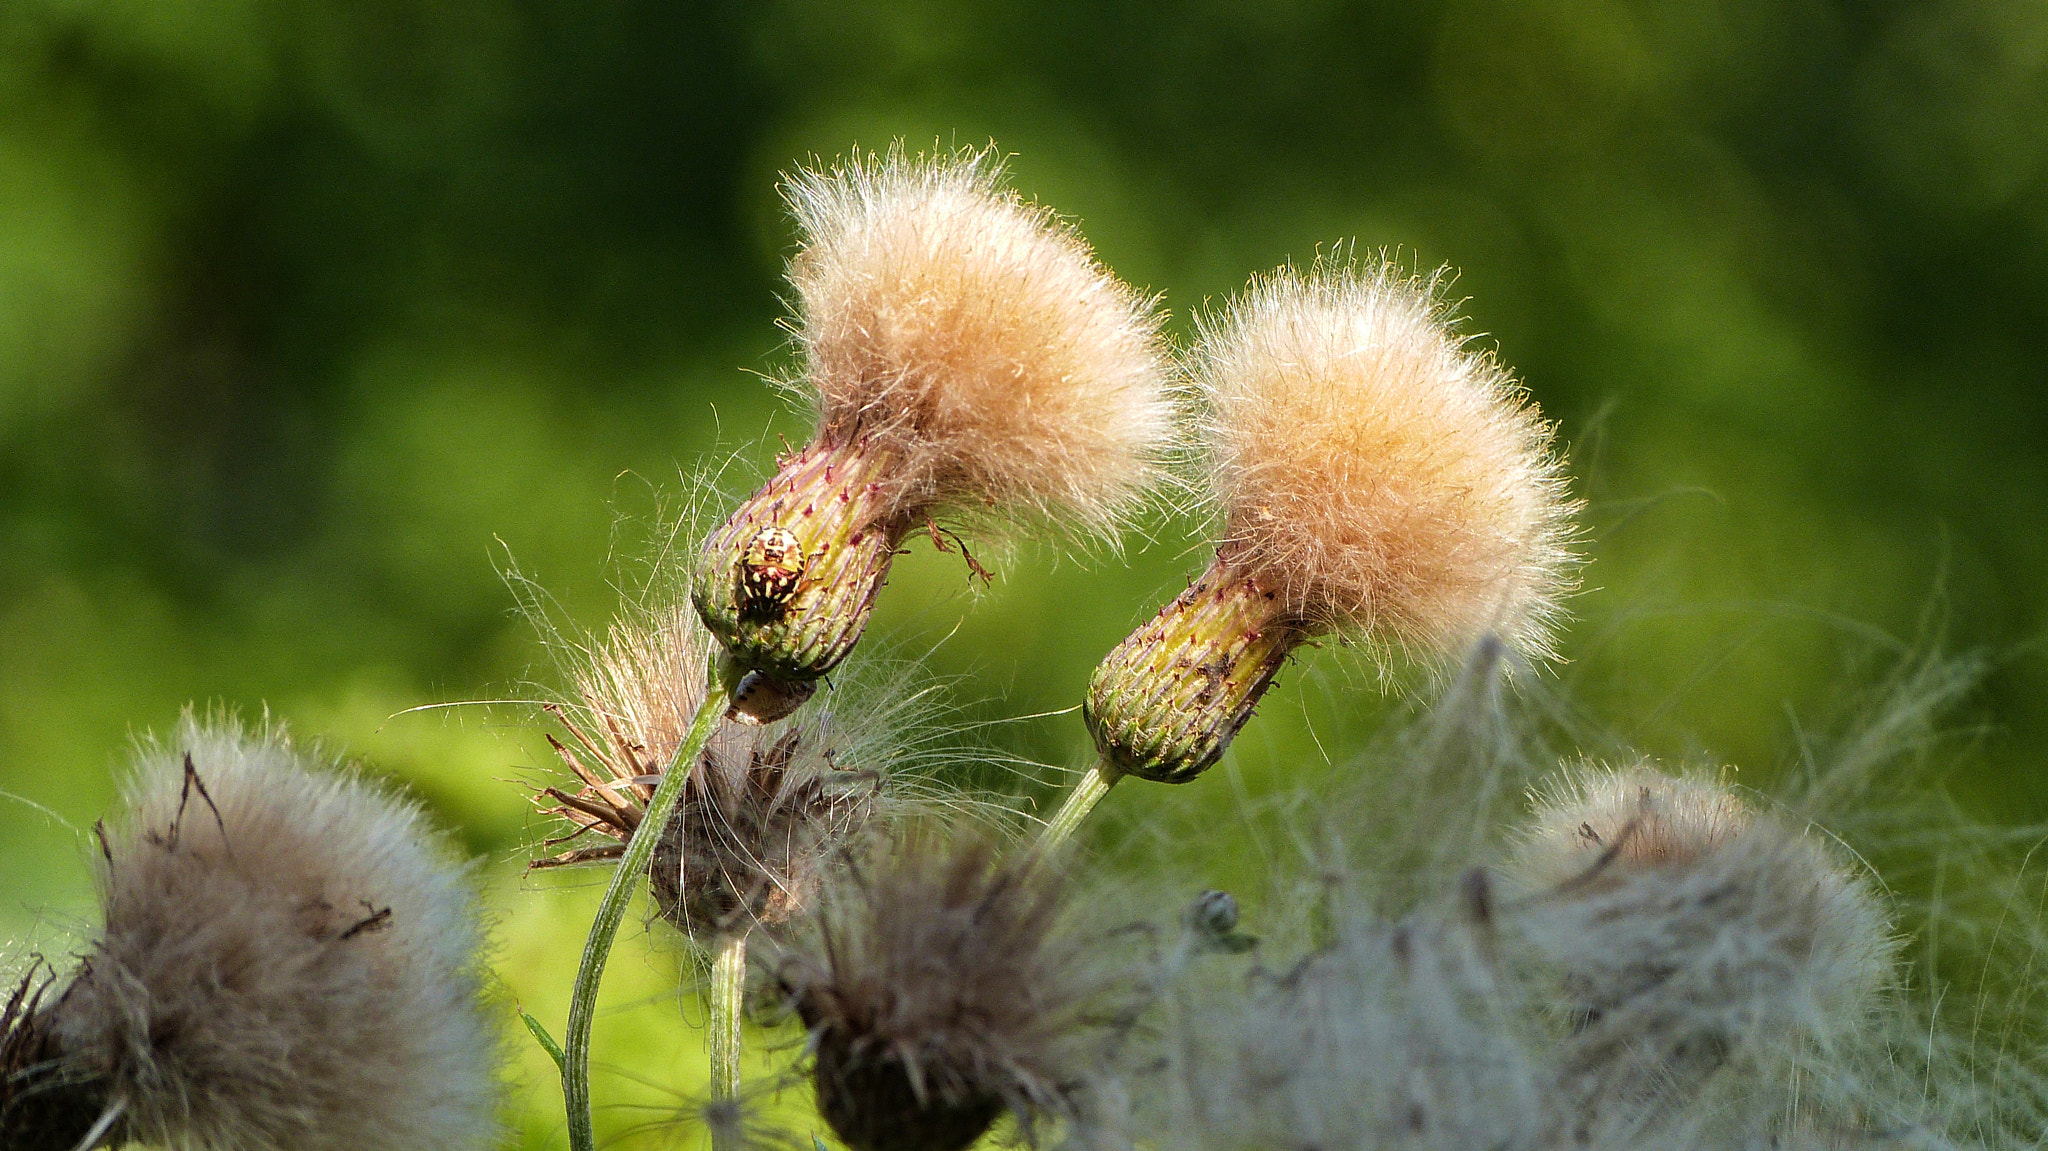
x,y
771,572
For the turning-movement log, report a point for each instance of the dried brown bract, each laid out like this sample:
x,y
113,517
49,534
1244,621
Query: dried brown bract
x,y
763,811
47,1103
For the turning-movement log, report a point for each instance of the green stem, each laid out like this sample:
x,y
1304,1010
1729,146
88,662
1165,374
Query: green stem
x,y
1080,801
612,911
728,985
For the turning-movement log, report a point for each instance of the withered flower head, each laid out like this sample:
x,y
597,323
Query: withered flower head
x,y
287,961
1375,477
763,810
943,987
967,356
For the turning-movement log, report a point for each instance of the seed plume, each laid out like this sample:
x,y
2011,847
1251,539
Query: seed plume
x,y
1376,474
974,337
1375,478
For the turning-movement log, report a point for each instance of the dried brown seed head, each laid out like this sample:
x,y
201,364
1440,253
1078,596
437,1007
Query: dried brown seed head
x,y
943,987
765,807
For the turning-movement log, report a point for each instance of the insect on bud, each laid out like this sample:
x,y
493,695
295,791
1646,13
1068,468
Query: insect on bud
x,y
786,584
760,698
1168,700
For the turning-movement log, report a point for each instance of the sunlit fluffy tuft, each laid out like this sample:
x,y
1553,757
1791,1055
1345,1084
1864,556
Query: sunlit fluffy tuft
x,y
288,962
1374,472
975,336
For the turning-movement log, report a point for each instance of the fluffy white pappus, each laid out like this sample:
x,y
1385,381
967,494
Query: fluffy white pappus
x,y
1394,1034
1374,472
289,962
1730,978
974,338
1643,816
1697,943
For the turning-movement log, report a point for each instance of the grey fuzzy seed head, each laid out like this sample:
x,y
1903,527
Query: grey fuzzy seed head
x,y
288,962
1696,934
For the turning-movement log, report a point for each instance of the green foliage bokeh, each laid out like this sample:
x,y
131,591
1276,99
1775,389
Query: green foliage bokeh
x,y
311,313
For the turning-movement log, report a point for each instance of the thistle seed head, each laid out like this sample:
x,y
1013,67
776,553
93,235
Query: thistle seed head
x,y
1375,478
967,357
288,961
942,988
1376,475
756,828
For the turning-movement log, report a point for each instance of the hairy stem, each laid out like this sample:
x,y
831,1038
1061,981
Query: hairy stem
x,y
728,984
612,911
1080,801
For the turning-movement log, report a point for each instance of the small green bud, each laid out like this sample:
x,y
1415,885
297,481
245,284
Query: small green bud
x,y
1166,703
1213,913
786,583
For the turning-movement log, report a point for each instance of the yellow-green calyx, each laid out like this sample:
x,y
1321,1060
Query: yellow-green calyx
x,y
1167,702
786,584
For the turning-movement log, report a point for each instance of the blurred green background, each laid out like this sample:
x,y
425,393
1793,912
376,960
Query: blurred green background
x,y
311,312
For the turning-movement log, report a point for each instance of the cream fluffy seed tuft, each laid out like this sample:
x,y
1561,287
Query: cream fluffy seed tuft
x,y
974,337
1375,473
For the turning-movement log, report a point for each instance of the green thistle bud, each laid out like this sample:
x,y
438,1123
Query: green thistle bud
x,y
1166,703
786,584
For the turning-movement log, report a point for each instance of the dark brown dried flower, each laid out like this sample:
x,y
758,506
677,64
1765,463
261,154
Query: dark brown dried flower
x,y
943,988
